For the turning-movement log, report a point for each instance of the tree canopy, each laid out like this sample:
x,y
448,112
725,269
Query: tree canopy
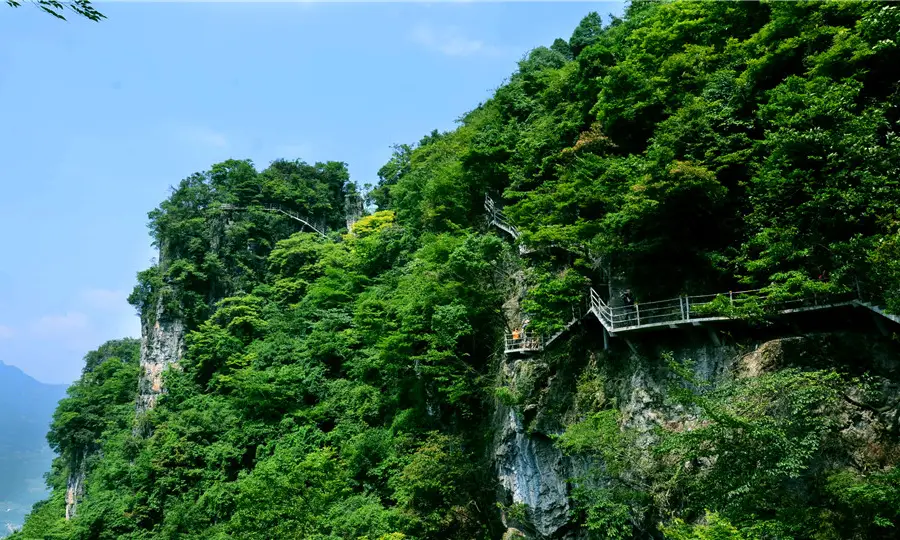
x,y
343,387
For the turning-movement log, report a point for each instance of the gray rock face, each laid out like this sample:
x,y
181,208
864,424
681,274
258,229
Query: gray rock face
x,y
74,489
544,394
162,345
645,386
533,472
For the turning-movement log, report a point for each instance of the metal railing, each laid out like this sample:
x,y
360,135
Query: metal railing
x,y
675,311
529,342
705,307
498,218
690,310
522,342
319,228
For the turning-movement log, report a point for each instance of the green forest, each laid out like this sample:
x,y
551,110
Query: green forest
x,y
343,386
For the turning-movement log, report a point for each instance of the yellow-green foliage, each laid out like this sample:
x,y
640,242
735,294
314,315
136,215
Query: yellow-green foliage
x,y
373,223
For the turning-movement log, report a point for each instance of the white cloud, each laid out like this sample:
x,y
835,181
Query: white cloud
x,y
6,332
450,40
202,136
69,325
105,299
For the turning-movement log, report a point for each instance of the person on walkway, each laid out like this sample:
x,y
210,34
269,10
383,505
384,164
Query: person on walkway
x,y
628,303
525,341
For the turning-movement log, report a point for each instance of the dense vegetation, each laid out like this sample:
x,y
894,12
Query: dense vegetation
x,y
341,387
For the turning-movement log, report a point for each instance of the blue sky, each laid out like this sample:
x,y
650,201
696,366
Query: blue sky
x,y
99,119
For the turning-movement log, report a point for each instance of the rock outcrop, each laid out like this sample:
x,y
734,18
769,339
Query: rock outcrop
x,y
162,345
540,395
533,472
74,488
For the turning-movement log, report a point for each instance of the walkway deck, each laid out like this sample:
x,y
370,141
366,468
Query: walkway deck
x,y
498,218
671,313
689,311
694,310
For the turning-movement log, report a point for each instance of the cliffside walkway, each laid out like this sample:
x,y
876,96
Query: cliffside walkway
x,y
689,311
695,310
274,208
674,312
497,218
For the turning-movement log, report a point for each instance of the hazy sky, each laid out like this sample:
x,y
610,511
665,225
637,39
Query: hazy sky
x,y
97,120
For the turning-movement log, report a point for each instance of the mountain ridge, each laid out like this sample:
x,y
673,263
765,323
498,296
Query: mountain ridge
x,y
26,409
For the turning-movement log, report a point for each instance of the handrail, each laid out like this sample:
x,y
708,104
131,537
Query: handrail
x,y
274,208
670,312
296,217
687,310
524,343
498,218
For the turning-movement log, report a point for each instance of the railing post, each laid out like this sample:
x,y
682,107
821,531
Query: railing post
x,y
731,297
637,311
687,308
681,307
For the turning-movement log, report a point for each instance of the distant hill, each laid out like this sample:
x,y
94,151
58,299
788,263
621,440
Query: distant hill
x,y
26,407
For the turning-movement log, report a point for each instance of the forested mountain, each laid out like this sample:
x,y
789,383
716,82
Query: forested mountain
x,y
26,407
353,384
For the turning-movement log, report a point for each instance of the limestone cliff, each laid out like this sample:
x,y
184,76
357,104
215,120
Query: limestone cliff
x,y
75,488
162,345
540,395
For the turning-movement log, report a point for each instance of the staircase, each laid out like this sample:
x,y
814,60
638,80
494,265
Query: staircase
x,y
497,218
